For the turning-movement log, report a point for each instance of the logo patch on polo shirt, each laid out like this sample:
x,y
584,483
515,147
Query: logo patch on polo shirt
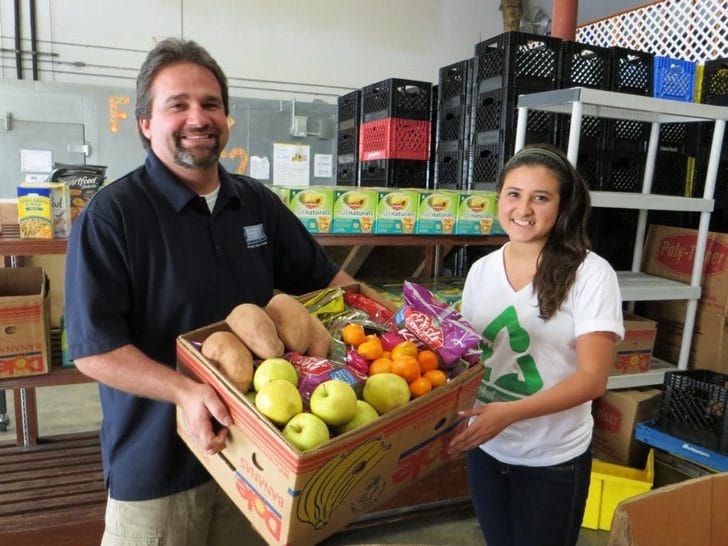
x,y
254,235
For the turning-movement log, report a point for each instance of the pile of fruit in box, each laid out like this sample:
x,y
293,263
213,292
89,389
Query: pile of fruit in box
x,y
323,365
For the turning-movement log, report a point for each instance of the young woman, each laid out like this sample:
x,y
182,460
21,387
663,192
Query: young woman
x,y
550,314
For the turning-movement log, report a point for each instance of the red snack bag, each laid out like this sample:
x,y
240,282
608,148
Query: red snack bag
x,y
436,324
376,311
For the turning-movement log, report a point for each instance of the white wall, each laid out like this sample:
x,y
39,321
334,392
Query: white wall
x,y
295,46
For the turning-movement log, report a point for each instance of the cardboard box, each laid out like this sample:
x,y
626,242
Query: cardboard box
x,y
669,252
437,212
615,415
634,352
314,206
709,344
477,211
396,211
689,513
24,322
301,498
355,210
611,484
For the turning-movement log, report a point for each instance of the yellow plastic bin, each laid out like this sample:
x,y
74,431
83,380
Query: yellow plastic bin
x,y
610,485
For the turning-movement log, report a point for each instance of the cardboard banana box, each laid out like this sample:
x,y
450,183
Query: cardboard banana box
x,y
301,498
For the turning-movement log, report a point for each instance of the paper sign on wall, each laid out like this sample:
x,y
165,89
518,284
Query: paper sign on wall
x,y
291,164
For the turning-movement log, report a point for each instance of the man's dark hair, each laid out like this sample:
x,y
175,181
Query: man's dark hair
x,y
167,52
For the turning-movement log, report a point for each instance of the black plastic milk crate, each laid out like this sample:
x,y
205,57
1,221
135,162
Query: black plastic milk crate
x,y
593,134
452,124
450,169
487,161
454,83
394,173
627,135
396,98
631,71
349,110
621,171
715,82
671,174
347,174
513,58
347,145
496,114
583,65
694,407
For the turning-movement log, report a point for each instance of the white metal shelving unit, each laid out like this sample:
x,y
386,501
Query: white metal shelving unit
x,y
637,286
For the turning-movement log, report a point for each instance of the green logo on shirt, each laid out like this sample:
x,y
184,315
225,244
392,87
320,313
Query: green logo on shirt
x,y
510,386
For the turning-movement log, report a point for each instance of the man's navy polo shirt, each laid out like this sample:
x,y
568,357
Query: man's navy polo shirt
x,y
146,262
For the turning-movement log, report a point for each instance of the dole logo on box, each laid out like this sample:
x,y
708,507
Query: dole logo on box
x,y
677,252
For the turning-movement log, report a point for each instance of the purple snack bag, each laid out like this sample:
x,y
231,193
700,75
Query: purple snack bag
x,y
312,371
437,324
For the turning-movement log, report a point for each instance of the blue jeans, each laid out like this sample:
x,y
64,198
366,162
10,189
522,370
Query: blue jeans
x,y
529,506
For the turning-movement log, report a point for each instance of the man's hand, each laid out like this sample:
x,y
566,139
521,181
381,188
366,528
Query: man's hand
x,y
200,408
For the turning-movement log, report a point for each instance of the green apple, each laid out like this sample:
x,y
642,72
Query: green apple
x,y
364,413
306,431
279,400
250,395
334,401
386,392
274,368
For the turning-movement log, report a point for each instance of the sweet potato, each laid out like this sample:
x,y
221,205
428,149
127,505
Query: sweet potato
x,y
292,321
256,329
231,356
320,339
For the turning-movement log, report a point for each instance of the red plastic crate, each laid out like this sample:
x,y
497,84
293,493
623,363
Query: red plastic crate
x,y
394,138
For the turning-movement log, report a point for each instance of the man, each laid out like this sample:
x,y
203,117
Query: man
x,y
170,247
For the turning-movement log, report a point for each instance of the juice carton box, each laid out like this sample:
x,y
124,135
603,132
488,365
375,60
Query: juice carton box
x,y
282,192
314,206
396,211
476,214
437,212
354,210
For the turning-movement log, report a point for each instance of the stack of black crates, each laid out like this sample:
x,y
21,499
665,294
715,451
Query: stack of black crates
x,y
505,66
395,133
452,127
347,145
714,90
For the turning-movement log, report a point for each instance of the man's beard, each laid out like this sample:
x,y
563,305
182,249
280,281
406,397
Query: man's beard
x,y
197,158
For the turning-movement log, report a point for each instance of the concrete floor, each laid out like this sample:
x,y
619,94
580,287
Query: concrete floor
x,y
75,408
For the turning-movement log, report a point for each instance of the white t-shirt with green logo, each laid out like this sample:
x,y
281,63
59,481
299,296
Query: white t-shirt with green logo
x,y
524,354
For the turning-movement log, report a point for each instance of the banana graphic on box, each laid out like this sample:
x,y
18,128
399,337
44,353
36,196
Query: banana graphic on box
x,y
331,483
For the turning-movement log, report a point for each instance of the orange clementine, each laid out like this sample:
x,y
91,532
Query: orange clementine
x,y
405,348
428,360
353,334
436,377
380,365
420,386
370,349
406,367
387,354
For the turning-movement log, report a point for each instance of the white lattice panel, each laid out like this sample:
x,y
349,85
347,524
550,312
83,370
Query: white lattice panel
x,y
692,30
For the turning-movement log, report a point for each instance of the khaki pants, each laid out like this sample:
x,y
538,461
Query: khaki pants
x,y
202,516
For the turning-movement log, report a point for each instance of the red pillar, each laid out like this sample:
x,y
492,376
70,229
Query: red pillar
x,y
563,19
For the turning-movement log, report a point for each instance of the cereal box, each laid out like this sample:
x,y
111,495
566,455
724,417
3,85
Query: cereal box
x,y
437,212
476,213
35,214
60,206
354,210
314,206
282,192
396,211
